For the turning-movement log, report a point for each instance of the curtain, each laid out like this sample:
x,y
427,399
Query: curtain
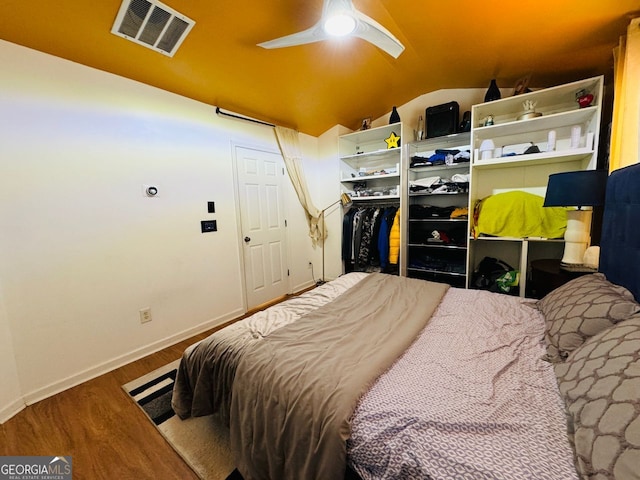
x,y
625,128
292,154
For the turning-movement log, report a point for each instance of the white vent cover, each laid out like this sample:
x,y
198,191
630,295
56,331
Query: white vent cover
x,y
152,24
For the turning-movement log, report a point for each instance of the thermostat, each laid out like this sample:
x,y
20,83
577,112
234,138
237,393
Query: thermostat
x,y
150,190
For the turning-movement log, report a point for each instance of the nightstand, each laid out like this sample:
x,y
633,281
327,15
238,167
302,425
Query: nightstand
x,y
547,274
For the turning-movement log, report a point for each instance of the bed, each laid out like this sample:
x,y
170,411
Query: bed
x,y
381,376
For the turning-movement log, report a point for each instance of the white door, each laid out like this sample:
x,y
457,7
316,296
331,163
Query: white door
x,y
262,222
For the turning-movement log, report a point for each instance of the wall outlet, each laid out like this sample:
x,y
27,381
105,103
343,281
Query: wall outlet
x,y
310,265
145,315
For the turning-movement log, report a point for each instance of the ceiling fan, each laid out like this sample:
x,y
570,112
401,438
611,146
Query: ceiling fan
x,y
340,18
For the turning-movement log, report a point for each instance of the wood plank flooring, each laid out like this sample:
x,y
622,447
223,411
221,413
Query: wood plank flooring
x,y
101,428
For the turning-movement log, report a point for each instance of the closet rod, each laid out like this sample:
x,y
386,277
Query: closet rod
x,y
239,117
380,204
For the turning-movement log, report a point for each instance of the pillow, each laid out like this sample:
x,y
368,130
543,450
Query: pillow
x,y
580,309
600,384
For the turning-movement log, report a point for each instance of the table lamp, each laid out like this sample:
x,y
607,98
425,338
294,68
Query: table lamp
x,y
580,189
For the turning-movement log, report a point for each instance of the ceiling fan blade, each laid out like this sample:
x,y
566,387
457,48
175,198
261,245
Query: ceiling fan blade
x,y
310,35
371,31
333,6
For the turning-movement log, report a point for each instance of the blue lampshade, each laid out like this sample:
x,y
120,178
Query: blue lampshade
x,y
583,188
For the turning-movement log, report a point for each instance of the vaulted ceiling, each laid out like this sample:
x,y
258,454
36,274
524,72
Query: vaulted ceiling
x,y
449,44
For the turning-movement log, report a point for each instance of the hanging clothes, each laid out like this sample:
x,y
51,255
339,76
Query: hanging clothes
x,y
394,240
368,222
347,239
365,238
357,235
383,237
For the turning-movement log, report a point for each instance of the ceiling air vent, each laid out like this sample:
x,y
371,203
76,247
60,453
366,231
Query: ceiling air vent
x,y
152,24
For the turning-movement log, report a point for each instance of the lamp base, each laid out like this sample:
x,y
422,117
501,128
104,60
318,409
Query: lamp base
x,y
577,237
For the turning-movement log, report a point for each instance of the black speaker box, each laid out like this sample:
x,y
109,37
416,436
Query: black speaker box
x,y
442,119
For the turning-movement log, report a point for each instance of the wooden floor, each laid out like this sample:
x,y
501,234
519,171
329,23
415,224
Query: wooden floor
x,y
102,429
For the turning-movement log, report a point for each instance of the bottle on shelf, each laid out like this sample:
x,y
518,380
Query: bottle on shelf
x,y
493,92
395,116
420,130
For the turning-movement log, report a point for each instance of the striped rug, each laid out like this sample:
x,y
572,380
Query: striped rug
x,y
202,442
154,396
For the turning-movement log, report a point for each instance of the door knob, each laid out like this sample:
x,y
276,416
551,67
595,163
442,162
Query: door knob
x,y
247,239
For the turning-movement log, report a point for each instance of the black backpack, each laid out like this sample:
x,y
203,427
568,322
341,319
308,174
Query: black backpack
x,y
486,275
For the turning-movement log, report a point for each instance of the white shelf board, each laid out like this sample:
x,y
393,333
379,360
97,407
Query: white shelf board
x,y
375,198
556,156
440,168
418,194
364,178
375,153
371,134
438,219
438,245
438,272
545,122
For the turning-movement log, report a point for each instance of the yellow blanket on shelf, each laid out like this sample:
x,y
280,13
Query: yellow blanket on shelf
x,y
520,214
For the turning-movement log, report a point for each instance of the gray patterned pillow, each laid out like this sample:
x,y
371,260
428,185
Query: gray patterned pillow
x,y
580,309
600,384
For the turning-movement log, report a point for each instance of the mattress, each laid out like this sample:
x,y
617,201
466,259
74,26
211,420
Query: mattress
x,y
470,398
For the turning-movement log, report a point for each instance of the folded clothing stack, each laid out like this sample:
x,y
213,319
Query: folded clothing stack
x,y
441,157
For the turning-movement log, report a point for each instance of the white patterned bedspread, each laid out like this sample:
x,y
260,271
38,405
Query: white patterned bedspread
x,y
482,404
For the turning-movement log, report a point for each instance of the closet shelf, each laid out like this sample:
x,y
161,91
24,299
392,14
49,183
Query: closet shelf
x,y
439,245
443,257
437,219
444,194
374,198
572,155
437,272
364,178
544,122
441,168
375,153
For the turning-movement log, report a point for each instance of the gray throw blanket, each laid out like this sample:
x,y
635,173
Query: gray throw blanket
x,y
294,393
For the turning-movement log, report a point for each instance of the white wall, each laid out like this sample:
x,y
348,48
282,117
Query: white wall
x,y
10,393
410,111
82,249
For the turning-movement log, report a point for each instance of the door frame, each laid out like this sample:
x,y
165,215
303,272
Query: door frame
x,y
240,237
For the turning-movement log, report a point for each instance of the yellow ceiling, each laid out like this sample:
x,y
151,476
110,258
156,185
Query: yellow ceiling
x,y
449,44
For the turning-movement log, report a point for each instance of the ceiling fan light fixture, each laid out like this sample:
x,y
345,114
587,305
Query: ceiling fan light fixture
x,y
341,18
339,25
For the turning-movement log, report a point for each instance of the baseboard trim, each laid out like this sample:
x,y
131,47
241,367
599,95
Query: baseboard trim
x,y
303,286
90,373
106,367
11,410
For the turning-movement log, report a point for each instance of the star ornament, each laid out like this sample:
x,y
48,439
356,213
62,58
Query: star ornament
x,y
392,141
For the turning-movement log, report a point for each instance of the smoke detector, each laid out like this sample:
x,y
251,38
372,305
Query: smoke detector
x,y
152,24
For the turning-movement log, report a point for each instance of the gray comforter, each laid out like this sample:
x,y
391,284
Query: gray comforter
x,y
294,392
207,368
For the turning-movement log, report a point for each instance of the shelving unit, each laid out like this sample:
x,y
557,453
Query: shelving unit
x,y
370,172
429,259
365,158
530,172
